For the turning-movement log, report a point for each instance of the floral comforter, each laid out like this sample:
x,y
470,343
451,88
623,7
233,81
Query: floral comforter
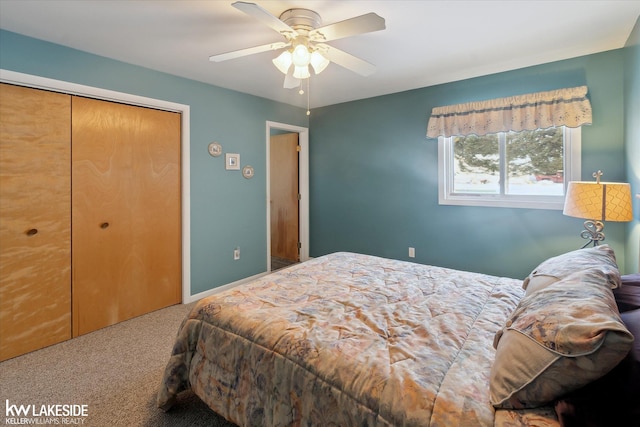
x,y
347,340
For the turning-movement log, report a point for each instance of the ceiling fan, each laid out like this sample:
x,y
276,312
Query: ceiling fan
x,y
305,41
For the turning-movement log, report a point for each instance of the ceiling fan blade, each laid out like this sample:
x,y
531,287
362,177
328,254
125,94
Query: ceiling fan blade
x,y
349,27
291,82
347,60
248,51
266,18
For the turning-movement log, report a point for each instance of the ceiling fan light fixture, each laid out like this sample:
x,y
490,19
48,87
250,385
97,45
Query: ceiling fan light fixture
x,y
301,72
301,56
283,62
318,62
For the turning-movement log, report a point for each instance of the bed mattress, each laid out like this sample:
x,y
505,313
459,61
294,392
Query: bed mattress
x,y
347,339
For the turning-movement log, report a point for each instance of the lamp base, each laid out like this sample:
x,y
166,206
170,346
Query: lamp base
x,y
593,232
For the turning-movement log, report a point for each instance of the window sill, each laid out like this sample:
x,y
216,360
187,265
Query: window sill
x,y
555,203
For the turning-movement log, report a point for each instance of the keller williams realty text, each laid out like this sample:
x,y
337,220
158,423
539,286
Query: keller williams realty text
x,y
44,421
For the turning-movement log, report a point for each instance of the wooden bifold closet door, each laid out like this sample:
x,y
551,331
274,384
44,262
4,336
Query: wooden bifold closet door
x,y
35,219
126,223
90,215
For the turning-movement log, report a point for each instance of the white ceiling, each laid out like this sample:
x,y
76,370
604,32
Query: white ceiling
x,y
424,43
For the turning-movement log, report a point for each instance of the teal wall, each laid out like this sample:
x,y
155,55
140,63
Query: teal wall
x,y
374,178
632,142
373,173
226,210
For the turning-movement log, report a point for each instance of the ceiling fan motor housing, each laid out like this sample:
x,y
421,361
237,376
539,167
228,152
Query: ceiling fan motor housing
x,y
301,20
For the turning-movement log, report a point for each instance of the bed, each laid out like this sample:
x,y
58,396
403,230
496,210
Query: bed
x,y
355,340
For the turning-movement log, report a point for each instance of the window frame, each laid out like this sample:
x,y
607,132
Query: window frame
x,y
572,148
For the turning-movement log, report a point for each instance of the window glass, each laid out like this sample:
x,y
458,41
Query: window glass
x,y
511,169
535,162
476,164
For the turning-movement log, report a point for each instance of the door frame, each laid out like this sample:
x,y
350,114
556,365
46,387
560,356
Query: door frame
x,y
303,187
38,82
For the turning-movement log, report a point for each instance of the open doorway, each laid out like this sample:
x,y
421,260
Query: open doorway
x,y
287,195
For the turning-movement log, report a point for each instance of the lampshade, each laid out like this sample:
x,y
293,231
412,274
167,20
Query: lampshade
x,y
301,72
318,62
283,62
300,56
599,201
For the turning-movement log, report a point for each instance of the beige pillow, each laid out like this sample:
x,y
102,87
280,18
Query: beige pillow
x,y
535,282
601,258
558,339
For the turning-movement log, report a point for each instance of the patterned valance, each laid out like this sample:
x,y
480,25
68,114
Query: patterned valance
x,y
563,107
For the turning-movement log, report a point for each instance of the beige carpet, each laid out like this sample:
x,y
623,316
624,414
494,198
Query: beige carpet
x,y
115,372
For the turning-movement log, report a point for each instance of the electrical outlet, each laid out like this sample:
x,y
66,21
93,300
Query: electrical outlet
x,y
412,252
236,254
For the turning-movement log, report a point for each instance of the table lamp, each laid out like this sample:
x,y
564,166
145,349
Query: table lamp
x,y
597,202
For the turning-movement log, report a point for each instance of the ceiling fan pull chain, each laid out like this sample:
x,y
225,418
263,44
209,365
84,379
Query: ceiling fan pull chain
x,y
308,97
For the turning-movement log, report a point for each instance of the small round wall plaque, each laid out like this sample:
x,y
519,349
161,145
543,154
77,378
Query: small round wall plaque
x,y
247,172
215,149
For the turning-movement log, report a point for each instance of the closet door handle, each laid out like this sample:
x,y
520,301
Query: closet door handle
x,y
31,232
104,225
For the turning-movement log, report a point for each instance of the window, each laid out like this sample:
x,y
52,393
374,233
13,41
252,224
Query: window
x,y
526,169
520,151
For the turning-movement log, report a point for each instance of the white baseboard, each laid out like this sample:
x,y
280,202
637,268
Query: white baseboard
x,y
222,288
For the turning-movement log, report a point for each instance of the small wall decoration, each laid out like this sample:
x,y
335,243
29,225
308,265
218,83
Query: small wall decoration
x,y
215,149
232,161
247,172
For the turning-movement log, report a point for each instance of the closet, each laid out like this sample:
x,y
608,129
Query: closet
x,y
90,226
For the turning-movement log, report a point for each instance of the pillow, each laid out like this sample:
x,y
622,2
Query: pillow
x,y
631,320
609,401
602,258
558,339
631,279
613,399
628,295
536,281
